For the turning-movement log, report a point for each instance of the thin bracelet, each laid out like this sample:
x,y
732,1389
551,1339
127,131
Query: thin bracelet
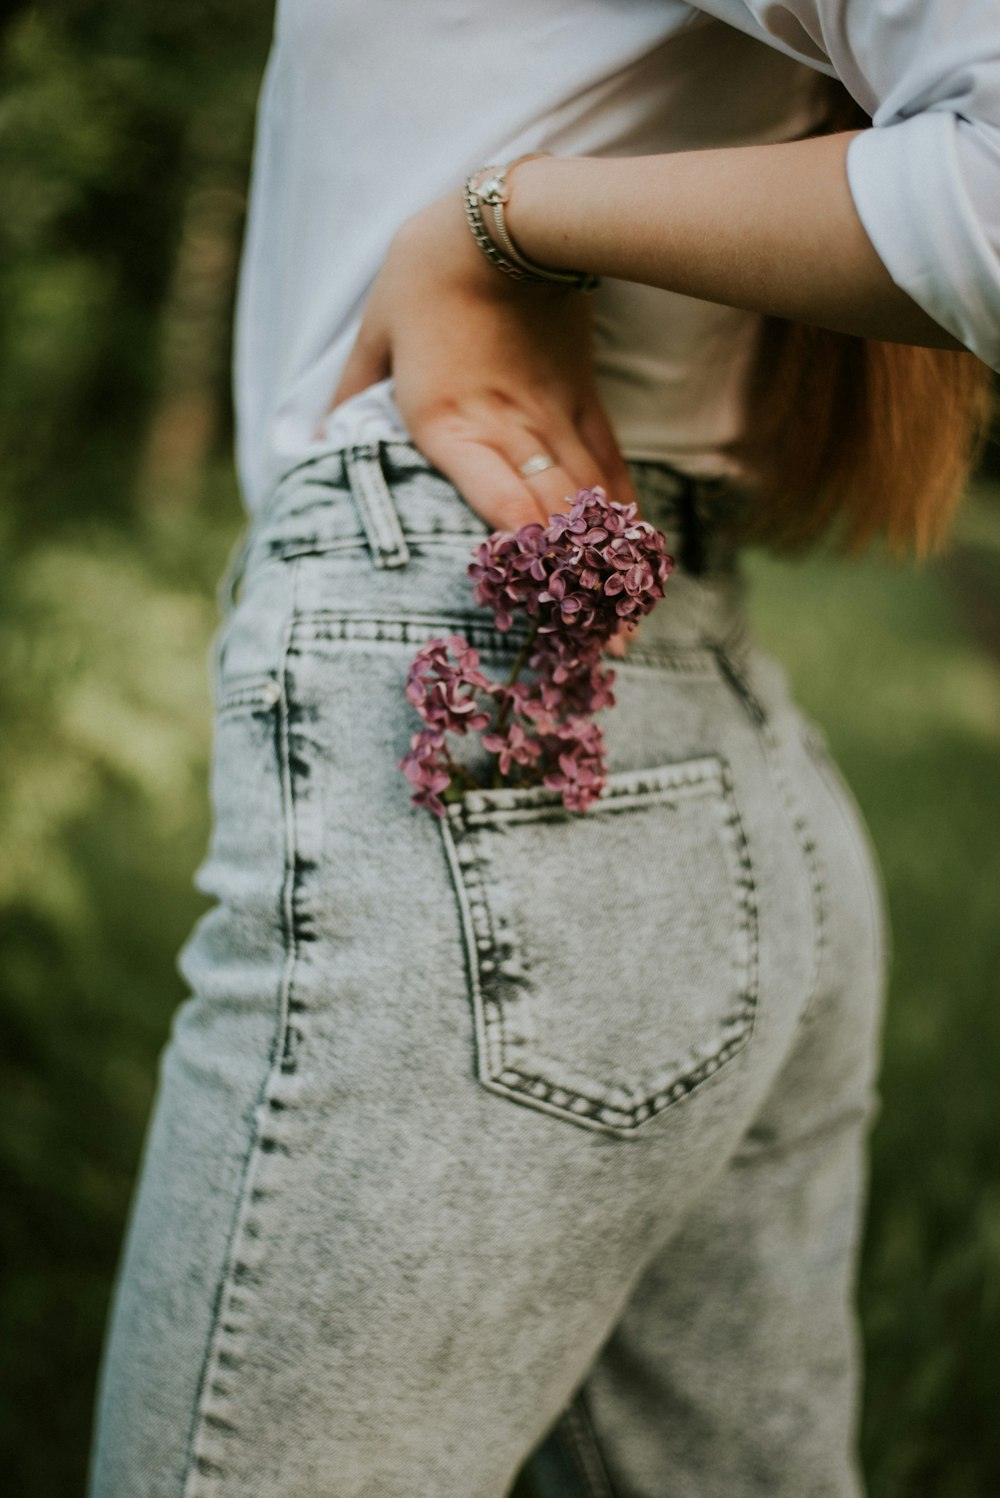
x,y
488,187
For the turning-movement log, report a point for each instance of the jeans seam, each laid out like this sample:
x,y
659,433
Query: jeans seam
x,y
810,857
734,674
335,545
234,1269
586,1449
416,628
758,715
408,628
745,1157
289,922
827,770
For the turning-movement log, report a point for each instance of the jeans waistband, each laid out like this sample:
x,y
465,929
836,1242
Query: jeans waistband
x,y
387,499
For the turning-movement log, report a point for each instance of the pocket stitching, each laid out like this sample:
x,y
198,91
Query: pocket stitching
x,y
636,788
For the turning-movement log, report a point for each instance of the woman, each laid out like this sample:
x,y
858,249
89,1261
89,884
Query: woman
x,y
534,1121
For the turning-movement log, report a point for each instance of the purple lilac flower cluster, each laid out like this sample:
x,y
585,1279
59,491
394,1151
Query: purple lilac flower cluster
x,y
575,579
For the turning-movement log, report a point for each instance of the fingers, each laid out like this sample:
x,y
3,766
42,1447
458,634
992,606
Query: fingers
x,y
486,480
622,639
367,363
485,466
596,432
488,476
574,467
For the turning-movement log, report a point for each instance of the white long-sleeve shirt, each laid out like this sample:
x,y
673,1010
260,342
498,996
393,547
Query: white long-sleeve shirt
x,y
372,108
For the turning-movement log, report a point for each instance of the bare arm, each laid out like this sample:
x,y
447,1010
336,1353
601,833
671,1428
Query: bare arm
x,y
892,232
769,228
488,371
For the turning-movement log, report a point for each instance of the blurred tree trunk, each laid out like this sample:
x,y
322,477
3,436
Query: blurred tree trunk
x,y
186,420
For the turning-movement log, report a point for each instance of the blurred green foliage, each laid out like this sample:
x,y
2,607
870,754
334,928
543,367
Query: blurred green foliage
x,y
902,668
125,131
114,117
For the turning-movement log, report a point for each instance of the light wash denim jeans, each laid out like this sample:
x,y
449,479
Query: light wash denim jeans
x,y
522,1124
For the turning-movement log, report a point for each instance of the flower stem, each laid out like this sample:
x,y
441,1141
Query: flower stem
x,y
522,654
460,774
504,713
519,660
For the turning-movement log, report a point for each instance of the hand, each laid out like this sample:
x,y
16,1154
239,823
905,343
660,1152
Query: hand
x,y
487,371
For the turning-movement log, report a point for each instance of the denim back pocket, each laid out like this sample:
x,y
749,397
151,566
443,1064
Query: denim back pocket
x,y
612,953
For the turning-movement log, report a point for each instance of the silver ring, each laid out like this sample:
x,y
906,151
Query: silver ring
x,y
537,463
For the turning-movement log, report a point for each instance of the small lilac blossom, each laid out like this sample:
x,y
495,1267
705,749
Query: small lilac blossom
x,y
581,773
441,690
588,690
541,703
428,768
509,571
512,746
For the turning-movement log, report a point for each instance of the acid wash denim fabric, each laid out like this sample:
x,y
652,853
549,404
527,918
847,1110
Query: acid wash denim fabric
x,y
525,1124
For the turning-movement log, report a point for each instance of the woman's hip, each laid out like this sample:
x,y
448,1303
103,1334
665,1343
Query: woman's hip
x,y
613,962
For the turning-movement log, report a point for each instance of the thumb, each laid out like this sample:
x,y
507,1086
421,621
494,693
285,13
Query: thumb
x,y
368,362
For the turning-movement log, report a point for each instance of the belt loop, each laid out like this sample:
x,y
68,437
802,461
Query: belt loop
x,y
376,506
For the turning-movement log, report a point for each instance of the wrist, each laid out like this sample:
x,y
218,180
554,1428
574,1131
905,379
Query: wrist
x,y
526,205
534,216
487,195
437,237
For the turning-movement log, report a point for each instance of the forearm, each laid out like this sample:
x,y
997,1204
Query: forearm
x,y
770,228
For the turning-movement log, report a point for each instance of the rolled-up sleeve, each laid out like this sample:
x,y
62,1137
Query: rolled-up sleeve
x,y
926,178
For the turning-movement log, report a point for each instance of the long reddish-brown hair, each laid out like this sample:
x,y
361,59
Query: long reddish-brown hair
x,y
857,438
